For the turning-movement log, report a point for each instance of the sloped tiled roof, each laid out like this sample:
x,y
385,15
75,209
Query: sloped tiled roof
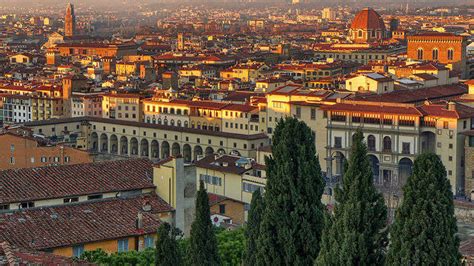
x,y
11,255
72,180
72,224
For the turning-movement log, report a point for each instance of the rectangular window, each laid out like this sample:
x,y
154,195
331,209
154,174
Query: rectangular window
x,y
77,251
149,242
222,208
313,114
122,245
93,197
4,207
406,147
26,205
248,187
337,142
298,112
70,200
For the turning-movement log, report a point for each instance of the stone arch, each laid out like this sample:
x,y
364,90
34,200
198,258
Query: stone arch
x,y
428,141
221,151
113,144
165,150
371,143
104,143
94,142
144,148
405,169
374,163
155,149
187,153
133,146
175,149
209,151
387,144
123,145
197,152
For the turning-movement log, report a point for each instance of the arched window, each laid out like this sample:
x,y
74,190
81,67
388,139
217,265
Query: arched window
x,y
450,54
165,122
420,53
179,123
172,122
159,121
387,144
178,111
371,143
185,123
360,33
435,53
148,119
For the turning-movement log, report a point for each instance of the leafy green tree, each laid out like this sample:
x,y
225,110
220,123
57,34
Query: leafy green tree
x,y
424,231
357,234
231,246
100,257
252,228
292,221
167,250
202,242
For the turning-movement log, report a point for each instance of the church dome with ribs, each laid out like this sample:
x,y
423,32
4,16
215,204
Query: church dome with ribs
x,y
367,26
368,19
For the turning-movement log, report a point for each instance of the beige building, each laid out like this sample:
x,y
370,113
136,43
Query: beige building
x,y
127,138
120,106
469,160
395,134
370,82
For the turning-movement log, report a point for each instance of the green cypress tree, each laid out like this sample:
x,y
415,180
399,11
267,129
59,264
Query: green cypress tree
x,y
357,234
293,218
202,242
252,228
167,251
424,230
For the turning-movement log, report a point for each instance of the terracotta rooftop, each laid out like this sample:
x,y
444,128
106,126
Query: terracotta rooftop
x,y
11,255
416,95
28,184
224,163
368,19
72,224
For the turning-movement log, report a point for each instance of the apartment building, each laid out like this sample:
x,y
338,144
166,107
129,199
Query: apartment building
x,y
122,106
86,104
231,178
22,151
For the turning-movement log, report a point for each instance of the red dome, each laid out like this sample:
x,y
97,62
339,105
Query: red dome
x,y
368,19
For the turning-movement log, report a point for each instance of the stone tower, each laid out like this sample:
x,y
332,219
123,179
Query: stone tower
x,y
69,21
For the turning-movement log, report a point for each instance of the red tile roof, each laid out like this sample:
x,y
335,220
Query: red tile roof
x,y
72,224
416,95
460,111
224,163
368,19
377,108
11,255
73,180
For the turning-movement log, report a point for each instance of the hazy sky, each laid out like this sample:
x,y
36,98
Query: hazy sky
x,y
118,3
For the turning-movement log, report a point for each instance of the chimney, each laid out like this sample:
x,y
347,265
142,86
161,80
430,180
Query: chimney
x,y
451,106
139,221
